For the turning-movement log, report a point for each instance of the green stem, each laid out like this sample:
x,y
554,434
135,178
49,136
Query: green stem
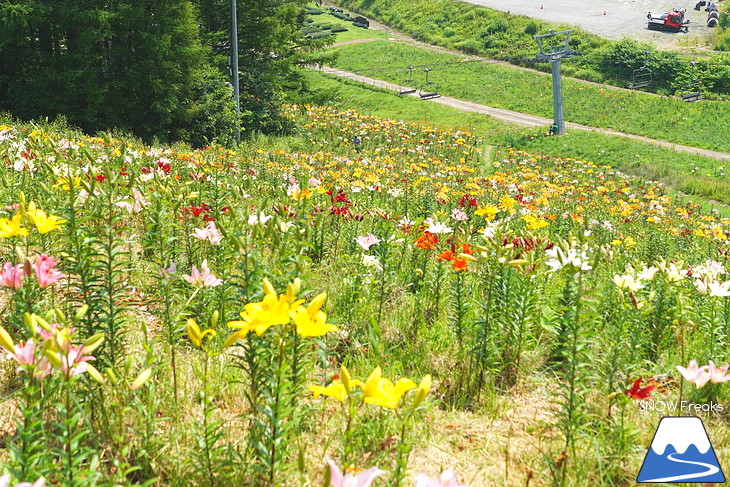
x,y
69,442
206,414
403,453
275,415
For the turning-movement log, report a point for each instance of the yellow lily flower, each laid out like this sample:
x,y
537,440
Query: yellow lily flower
x,y
11,227
272,310
65,184
312,322
338,389
335,390
43,222
382,392
312,326
195,335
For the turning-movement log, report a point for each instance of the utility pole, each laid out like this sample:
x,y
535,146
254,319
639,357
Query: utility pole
x,y
234,68
554,54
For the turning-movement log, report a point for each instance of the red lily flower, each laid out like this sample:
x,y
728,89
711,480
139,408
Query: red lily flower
x,y
636,392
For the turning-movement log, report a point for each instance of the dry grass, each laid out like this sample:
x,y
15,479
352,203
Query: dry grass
x,y
504,450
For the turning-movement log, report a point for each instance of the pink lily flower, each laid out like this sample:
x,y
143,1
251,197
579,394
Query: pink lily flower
x,y
367,241
5,482
210,233
12,276
203,277
699,376
459,215
45,272
167,273
56,330
25,355
73,361
718,374
363,479
447,479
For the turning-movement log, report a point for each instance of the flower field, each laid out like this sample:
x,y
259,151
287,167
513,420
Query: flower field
x,y
307,310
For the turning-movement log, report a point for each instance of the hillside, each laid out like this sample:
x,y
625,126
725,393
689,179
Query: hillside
x,y
489,275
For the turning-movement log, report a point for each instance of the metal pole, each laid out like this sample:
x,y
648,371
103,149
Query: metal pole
x,y
234,68
558,116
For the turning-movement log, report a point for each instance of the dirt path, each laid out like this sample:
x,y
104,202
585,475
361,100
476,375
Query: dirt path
x,y
523,119
353,41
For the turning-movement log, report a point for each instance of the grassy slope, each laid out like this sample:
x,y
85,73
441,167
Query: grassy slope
x,y
352,33
458,25
693,124
646,160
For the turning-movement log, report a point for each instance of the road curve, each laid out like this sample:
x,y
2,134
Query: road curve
x,y
712,469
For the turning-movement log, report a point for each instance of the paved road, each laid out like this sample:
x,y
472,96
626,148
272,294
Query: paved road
x,y
623,18
522,118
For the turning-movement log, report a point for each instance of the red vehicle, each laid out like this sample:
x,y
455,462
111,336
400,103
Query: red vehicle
x,y
670,21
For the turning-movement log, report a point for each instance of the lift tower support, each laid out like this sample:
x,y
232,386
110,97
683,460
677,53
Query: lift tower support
x,y
553,53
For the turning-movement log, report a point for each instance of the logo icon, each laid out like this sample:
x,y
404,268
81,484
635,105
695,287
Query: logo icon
x,y
680,452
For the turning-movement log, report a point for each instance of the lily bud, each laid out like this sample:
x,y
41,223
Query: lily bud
x,y
53,358
21,208
214,318
30,322
111,375
21,255
60,315
95,374
345,378
467,257
232,339
194,332
42,323
423,389
268,287
5,341
292,289
81,312
141,379
92,343
128,363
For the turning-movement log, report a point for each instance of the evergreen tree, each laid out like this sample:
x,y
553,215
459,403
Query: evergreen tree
x,y
271,48
157,68
137,65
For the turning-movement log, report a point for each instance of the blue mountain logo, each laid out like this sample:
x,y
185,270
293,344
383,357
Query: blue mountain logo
x,y
680,452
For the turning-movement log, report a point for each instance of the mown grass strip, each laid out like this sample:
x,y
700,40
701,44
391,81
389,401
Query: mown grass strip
x,y
692,124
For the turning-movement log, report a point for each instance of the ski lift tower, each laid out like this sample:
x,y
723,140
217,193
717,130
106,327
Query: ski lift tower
x,y
554,53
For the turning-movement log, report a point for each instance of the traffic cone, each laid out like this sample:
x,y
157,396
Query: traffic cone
x,y
541,7
604,12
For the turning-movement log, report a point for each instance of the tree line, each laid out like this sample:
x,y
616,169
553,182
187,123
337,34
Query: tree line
x,y
155,68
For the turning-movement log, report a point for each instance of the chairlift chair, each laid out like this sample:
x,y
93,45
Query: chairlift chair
x,y
642,76
405,88
429,89
694,91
